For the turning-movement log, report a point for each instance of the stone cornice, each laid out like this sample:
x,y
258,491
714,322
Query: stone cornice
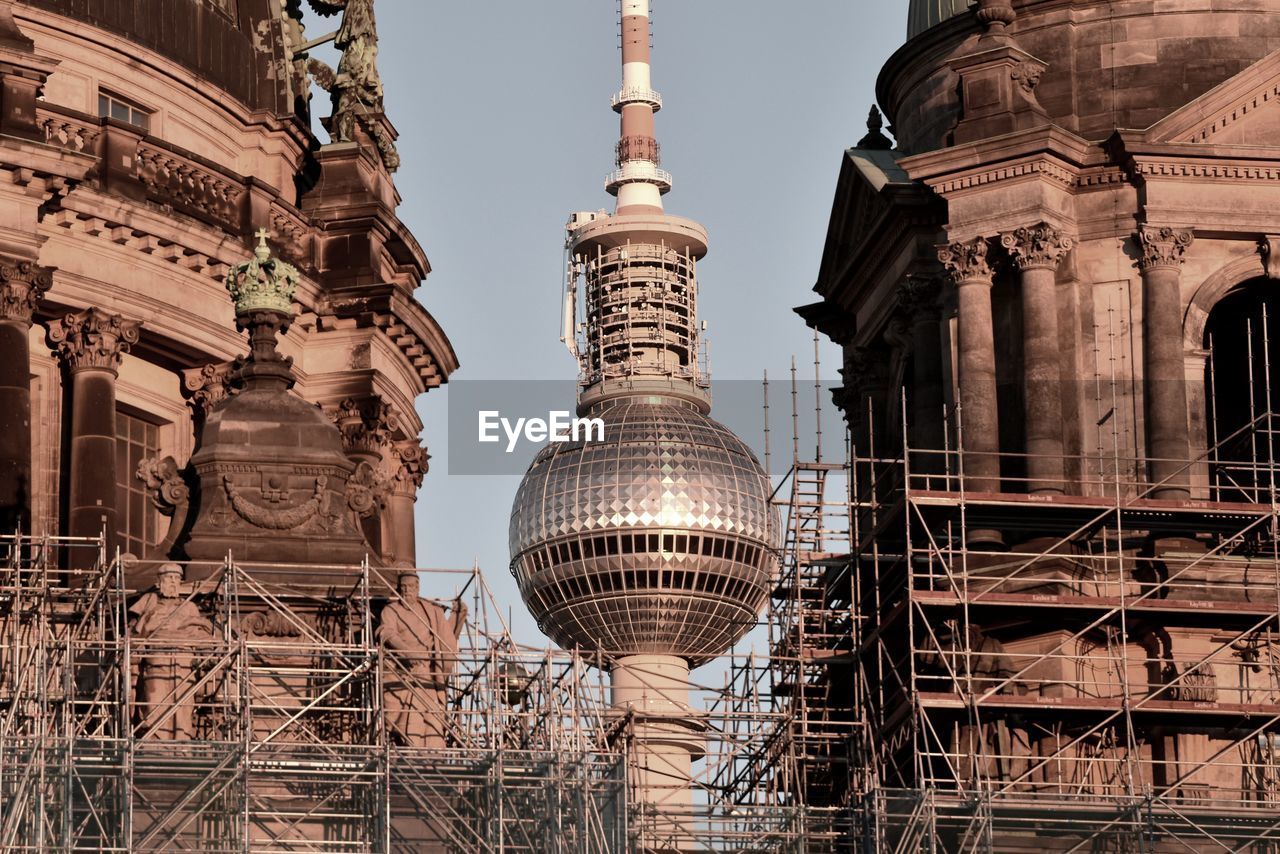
x,y
1059,149
22,285
93,339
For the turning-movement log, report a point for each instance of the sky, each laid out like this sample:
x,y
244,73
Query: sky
x,y
505,127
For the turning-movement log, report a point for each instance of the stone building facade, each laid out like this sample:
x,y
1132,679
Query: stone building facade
x,y
1056,286
144,145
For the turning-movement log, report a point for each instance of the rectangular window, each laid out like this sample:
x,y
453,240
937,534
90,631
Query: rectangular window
x,y
116,107
136,517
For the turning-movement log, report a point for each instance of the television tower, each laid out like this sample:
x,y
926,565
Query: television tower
x,y
655,546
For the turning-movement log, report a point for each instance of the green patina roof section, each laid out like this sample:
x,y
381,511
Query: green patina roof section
x,y
924,14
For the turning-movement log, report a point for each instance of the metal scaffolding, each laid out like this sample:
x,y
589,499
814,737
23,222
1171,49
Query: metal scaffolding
x,y
1097,670
291,747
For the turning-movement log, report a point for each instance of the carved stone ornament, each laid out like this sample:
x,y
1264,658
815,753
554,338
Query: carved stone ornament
x,y
22,285
209,385
263,283
1036,247
366,490
164,479
93,339
271,624
875,138
366,425
414,464
272,518
966,261
918,296
1269,249
1163,246
995,14
1027,75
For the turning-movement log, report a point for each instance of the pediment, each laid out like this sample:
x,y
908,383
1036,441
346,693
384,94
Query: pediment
x,y
858,203
1242,110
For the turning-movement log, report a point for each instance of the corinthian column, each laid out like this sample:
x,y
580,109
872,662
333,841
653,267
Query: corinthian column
x,y
918,299
1036,252
22,285
398,523
1164,375
967,265
91,344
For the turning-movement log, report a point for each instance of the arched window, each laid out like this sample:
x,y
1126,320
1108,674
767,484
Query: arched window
x,y
1242,391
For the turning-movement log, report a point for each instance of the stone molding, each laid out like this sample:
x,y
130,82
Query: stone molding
x,y
1163,246
966,261
93,339
1052,171
22,285
1036,247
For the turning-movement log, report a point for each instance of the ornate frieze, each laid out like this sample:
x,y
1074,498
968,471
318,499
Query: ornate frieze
x,y
93,339
1036,247
276,518
22,285
1163,246
966,261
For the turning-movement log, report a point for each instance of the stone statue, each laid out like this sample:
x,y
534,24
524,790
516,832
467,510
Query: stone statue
x,y
355,88
169,627
423,640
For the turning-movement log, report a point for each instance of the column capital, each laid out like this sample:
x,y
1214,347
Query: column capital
x,y
22,285
1163,246
1036,247
918,296
209,385
366,424
93,339
413,459
966,261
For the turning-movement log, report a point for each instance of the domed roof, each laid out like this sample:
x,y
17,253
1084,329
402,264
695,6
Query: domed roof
x,y
659,539
924,14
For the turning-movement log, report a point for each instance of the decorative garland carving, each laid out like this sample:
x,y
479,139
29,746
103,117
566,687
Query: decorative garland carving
x,y
271,518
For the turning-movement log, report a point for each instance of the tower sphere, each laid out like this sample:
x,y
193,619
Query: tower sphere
x,y
657,540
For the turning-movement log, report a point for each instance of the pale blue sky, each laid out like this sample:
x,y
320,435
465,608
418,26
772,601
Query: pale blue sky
x,y
503,112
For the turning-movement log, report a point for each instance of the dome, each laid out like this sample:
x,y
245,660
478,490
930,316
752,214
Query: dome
x,y
924,14
660,539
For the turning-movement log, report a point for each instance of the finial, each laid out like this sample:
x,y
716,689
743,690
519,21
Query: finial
x,y
262,251
263,283
874,138
262,289
995,15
